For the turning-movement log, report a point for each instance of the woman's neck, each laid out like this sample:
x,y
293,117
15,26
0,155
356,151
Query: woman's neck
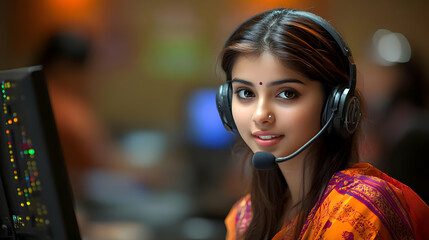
x,y
296,174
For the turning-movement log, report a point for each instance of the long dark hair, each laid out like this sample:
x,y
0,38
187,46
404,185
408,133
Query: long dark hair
x,y
304,46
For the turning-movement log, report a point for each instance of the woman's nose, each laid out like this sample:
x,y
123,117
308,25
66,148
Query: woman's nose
x,y
263,113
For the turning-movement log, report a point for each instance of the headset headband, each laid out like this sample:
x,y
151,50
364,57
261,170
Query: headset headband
x,y
338,39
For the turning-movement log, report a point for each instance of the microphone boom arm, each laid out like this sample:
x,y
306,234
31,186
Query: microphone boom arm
x,y
309,142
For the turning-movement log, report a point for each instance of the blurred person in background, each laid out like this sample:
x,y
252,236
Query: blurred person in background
x,y
86,142
288,75
114,193
396,90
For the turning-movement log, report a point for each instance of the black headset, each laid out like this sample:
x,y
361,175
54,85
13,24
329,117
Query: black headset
x,y
343,102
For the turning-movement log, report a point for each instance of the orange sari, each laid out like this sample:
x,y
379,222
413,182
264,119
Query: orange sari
x,y
359,203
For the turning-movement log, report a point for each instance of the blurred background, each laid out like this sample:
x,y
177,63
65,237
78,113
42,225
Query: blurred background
x,y
133,85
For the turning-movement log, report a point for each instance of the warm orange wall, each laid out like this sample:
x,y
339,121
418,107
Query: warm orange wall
x,y
30,22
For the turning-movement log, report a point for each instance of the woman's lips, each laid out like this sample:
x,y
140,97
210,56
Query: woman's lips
x,y
267,140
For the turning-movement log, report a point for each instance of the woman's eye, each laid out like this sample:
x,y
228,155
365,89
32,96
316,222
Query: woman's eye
x,y
288,94
244,94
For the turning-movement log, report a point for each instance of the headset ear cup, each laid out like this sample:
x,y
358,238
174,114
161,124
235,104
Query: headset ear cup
x,y
347,112
352,115
223,102
331,105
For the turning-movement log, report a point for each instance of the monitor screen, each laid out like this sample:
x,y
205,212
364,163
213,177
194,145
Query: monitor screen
x,y
35,195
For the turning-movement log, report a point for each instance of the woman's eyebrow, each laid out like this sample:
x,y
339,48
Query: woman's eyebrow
x,y
288,80
242,81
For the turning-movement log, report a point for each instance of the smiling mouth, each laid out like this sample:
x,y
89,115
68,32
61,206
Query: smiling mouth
x,y
268,140
268,137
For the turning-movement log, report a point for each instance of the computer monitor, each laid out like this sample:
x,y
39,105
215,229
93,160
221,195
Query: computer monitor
x,y
35,195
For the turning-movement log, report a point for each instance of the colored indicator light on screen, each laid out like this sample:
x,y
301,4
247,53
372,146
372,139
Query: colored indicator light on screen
x,y
15,119
25,152
10,121
31,151
7,131
4,96
27,218
22,205
28,203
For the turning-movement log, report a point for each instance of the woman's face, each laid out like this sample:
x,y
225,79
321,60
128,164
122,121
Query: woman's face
x,y
276,109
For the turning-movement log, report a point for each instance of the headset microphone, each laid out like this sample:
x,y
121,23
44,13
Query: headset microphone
x,y
267,161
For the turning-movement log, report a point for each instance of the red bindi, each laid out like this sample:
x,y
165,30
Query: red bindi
x,y
260,83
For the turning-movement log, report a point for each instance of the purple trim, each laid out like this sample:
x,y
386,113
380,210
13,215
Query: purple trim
x,y
404,215
367,202
388,196
346,184
393,200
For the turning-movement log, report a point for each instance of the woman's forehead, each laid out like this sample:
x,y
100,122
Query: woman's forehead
x,y
263,68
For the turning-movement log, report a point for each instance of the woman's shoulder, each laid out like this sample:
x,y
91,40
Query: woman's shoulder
x,y
364,201
368,184
388,196
364,181
373,188
239,217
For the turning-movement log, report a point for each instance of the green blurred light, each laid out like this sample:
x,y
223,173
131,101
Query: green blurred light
x,y
31,151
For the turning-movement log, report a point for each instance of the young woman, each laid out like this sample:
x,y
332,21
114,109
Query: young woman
x,y
290,92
